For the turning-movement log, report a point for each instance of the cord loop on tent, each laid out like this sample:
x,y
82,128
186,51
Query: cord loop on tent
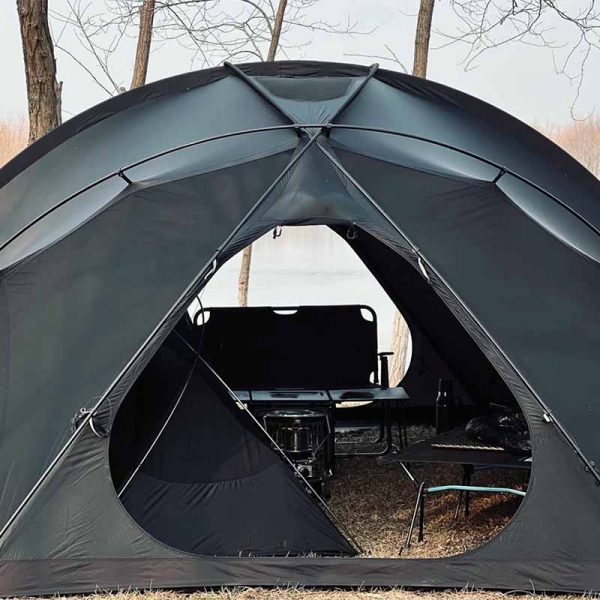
x,y
80,416
277,231
352,232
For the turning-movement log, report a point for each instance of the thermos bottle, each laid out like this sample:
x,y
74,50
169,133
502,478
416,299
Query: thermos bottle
x,y
444,405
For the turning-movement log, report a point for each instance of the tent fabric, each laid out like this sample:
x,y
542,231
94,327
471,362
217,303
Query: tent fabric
x,y
211,483
158,231
463,213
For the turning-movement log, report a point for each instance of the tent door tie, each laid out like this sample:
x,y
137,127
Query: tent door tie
x,y
95,426
352,232
277,231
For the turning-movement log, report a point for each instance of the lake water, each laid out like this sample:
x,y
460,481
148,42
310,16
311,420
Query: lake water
x,y
306,265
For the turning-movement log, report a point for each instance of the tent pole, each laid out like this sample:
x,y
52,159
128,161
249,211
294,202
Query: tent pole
x,y
243,407
261,92
303,126
589,466
256,88
186,295
502,169
121,171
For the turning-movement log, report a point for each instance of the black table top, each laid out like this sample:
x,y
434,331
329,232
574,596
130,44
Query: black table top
x,y
476,455
371,394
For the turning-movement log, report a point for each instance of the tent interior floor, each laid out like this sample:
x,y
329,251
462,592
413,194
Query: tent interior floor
x,y
375,502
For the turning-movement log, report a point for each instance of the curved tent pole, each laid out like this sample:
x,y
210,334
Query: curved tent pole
x,y
304,127
503,170
121,171
188,292
423,261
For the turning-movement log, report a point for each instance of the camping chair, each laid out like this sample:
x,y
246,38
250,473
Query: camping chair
x,y
303,356
467,489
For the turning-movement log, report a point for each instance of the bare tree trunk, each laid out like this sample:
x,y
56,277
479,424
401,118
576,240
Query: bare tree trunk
x,y
276,30
142,54
43,90
422,36
400,343
244,278
400,332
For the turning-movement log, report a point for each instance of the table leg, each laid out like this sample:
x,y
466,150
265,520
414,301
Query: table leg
x,y
422,517
413,520
468,473
388,426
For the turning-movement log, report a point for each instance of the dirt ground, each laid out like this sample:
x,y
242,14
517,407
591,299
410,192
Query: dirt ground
x,y
375,503
300,594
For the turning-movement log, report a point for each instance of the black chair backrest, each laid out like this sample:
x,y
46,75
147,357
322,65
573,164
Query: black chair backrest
x,y
306,347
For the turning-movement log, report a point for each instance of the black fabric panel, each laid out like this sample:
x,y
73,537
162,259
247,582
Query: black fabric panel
x,y
439,114
316,347
490,136
80,309
536,296
415,298
211,483
35,578
147,406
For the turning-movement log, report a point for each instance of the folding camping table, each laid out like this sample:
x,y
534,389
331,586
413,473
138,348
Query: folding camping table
x,y
386,398
453,447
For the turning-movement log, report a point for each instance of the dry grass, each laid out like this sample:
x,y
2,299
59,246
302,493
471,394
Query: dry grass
x,y
375,502
302,594
13,138
580,139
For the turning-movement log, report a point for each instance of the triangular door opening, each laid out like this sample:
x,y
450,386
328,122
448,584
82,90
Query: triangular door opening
x,y
317,355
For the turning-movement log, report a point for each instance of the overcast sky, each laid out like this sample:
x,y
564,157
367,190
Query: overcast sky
x,y
520,79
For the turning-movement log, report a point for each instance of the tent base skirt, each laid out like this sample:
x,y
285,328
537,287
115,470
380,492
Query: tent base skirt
x,y
69,576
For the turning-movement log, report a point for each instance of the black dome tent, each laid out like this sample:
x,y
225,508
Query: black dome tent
x,y
483,232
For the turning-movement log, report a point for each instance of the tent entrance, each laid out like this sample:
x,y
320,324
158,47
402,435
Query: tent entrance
x,y
197,458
